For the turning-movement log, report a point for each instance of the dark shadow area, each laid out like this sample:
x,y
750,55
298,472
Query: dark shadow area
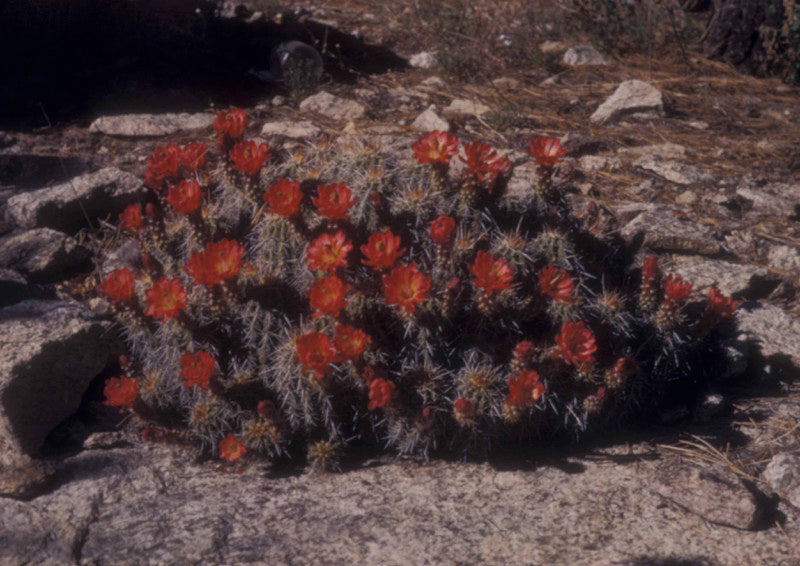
x,y
79,59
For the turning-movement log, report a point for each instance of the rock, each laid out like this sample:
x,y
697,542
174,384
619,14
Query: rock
x,y
506,83
333,107
783,475
784,258
778,199
520,185
43,255
430,121
686,198
584,55
128,255
423,60
24,477
63,206
599,162
674,171
732,279
13,287
662,231
150,125
632,99
465,107
295,130
736,352
713,492
552,47
49,352
776,332
27,170
579,143
667,150
698,124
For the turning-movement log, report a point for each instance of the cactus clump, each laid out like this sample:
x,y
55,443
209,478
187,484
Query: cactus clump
x,y
295,303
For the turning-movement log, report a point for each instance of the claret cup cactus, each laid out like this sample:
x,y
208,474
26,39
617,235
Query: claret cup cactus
x,y
311,299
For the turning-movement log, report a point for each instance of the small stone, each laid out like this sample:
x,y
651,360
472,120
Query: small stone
x,y
433,83
709,407
430,121
278,100
783,475
552,47
698,125
150,125
632,99
43,255
295,130
333,107
584,55
467,107
674,171
423,60
686,198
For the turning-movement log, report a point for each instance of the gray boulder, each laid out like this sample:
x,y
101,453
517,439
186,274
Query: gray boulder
x,y
584,55
49,352
333,107
43,254
430,121
65,206
632,99
150,125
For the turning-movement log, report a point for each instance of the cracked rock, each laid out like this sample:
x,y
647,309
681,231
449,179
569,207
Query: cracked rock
x,y
632,99
43,255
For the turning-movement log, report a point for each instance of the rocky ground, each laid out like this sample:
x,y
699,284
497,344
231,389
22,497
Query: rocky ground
x,y
686,158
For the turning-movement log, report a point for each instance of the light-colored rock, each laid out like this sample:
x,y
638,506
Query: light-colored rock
x,y
43,254
784,258
506,83
466,107
150,125
661,230
709,407
584,55
155,505
63,206
667,150
698,124
779,199
599,162
732,279
49,352
714,493
674,171
423,60
783,474
333,107
552,46
430,121
520,185
295,130
632,99
433,83
776,332
125,256
686,198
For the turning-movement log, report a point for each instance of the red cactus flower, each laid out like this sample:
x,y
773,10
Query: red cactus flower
x,y
720,306
165,299
231,123
121,392
327,296
328,252
248,157
231,448
118,286
436,147
185,197
381,392
524,390
131,218
197,368
333,201
406,286
315,352
350,341
463,407
483,162
676,289
576,344
556,284
283,197
382,250
492,275
623,369
219,261
193,156
442,230
153,181
546,151
164,162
